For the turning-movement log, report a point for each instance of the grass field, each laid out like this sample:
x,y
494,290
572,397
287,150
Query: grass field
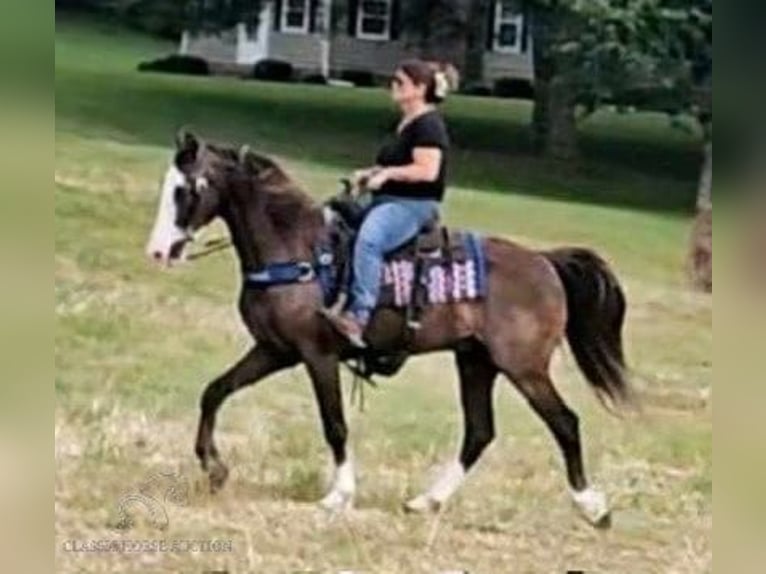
x,y
134,346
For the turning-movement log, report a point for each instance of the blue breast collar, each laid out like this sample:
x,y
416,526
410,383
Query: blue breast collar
x,y
282,273
292,272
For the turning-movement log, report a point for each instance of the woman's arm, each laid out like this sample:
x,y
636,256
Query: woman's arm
x,y
425,166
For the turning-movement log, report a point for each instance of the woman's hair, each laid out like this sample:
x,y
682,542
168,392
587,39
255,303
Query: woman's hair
x,y
429,74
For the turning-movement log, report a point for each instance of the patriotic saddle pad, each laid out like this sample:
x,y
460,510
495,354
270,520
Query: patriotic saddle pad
x,y
452,273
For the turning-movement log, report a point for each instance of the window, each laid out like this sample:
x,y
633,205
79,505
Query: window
x,y
509,26
295,16
373,20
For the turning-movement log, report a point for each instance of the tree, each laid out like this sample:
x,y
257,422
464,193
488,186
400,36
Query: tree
x,y
476,33
437,28
216,15
554,126
644,53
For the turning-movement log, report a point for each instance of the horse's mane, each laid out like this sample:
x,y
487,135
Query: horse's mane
x,y
285,203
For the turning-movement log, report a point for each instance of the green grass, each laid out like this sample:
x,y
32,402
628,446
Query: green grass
x,y
134,346
630,160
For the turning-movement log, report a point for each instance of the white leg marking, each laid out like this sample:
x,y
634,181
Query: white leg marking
x,y
441,490
448,482
341,495
592,504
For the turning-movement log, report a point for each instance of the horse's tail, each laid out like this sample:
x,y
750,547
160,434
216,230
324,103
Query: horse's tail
x,y
596,311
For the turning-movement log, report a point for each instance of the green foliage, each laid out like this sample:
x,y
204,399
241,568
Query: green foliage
x,y
168,18
164,18
610,50
216,15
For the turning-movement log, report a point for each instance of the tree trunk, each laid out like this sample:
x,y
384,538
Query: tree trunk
x,y
554,121
700,262
442,32
705,187
477,20
701,251
554,124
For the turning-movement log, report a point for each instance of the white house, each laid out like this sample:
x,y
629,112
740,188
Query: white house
x,y
368,37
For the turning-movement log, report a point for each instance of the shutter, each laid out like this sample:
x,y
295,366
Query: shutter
x,y
353,9
313,12
525,16
277,14
395,22
492,9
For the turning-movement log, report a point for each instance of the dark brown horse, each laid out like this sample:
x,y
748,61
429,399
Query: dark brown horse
x,y
534,299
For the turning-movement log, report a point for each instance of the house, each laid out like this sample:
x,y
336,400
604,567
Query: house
x,y
365,35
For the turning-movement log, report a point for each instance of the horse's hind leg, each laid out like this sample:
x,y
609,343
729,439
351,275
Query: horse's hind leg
x,y
258,363
538,389
477,376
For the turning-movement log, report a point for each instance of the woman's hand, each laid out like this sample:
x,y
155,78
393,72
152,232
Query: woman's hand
x,y
378,179
360,178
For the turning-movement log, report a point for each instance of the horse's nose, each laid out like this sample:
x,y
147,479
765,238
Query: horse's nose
x,y
157,255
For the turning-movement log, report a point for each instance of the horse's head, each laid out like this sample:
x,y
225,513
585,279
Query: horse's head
x,y
201,180
190,198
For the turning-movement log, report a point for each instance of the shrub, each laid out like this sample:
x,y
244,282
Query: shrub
x,y
177,64
650,98
360,78
514,88
317,79
476,90
164,19
273,71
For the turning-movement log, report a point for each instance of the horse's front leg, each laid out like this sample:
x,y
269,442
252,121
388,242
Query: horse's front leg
x,y
324,372
258,363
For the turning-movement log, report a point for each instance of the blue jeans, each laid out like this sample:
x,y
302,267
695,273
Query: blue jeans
x,y
389,224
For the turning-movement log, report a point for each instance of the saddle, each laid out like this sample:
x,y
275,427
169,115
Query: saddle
x,y
405,284
434,244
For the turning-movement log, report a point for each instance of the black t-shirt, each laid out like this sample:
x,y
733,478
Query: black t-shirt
x,y
429,131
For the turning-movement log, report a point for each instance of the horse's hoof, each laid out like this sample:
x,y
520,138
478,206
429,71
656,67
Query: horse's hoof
x,y
337,501
422,504
605,522
593,505
217,475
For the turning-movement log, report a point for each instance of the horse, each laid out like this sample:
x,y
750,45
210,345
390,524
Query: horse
x,y
534,300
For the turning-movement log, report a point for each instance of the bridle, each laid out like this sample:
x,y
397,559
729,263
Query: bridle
x,y
195,185
211,246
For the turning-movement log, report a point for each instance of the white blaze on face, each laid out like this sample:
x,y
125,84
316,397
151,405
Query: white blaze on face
x,y
165,232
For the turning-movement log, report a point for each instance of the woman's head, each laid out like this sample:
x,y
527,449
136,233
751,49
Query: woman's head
x,y
418,81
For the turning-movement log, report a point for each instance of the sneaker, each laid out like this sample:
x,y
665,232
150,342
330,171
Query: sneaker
x,y
346,325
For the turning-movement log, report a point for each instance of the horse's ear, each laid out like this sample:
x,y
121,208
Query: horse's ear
x,y
187,142
244,154
189,148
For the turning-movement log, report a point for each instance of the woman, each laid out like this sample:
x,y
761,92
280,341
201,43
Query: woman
x,y
407,183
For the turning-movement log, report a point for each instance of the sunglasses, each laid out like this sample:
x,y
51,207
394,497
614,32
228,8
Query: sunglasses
x,y
396,80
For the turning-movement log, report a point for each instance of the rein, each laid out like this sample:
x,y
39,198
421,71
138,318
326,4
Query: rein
x,y
211,246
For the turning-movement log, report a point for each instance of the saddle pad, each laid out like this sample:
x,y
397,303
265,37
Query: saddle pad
x,y
444,280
